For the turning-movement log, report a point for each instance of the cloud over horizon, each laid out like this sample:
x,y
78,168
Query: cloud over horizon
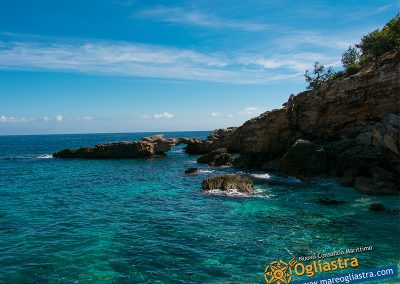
x,y
153,61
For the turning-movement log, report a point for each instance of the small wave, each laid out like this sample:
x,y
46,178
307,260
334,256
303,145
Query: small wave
x,y
261,176
228,193
205,171
47,156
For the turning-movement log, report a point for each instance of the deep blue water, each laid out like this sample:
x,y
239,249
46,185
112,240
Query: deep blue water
x,y
145,221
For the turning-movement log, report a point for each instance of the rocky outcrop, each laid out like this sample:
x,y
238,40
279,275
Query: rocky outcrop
x,y
148,146
228,182
216,158
351,124
219,138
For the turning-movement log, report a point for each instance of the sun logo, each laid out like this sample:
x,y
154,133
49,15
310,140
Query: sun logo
x,y
279,272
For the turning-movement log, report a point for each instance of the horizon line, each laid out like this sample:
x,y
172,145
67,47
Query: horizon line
x,y
88,133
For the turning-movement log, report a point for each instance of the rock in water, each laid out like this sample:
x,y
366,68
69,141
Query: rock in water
x,y
227,182
191,171
223,160
148,146
219,157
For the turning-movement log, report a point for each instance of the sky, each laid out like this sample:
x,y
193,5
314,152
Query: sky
x,y
85,66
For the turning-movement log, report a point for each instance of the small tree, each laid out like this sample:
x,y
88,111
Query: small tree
x,y
319,75
350,57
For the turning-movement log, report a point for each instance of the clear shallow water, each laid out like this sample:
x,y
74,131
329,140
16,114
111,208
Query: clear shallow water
x,y
144,221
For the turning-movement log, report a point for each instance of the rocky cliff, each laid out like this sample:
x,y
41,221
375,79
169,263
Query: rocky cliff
x,y
348,127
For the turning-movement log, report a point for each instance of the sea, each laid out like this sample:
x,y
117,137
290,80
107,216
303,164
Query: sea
x,y
145,221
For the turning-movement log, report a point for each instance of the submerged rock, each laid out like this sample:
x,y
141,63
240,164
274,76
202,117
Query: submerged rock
x,y
328,201
377,207
191,171
227,182
380,207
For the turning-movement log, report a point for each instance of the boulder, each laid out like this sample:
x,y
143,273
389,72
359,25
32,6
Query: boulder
x,y
304,159
373,187
223,160
216,158
228,182
387,134
191,171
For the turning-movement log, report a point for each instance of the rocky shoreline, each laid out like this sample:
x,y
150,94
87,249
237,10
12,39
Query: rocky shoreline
x,y
347,128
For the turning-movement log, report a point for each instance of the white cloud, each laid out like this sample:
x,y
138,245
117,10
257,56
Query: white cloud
x,y
298,62
87,118
250,111
166,115
13,119
215,114
59,117
179,15
163,115
153,61
230,115
46,118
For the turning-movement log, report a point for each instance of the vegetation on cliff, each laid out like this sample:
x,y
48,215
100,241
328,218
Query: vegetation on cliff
x,y
371,49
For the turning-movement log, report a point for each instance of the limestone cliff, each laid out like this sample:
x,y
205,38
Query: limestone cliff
x,y
353,121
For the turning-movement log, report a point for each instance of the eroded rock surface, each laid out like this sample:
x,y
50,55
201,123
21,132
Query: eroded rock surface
x,y
351,124
148,146
228,182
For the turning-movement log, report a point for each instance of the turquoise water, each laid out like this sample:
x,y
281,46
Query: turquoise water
x,y
144,221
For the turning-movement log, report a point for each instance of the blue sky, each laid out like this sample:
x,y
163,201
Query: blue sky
x,y
81,66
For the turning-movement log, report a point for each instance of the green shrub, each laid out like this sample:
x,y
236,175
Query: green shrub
x,y
350,57
379,42
318,75
353,69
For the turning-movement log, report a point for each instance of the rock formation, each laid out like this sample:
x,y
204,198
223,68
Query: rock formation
x,y
216,158
227,182
349,127
148,146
